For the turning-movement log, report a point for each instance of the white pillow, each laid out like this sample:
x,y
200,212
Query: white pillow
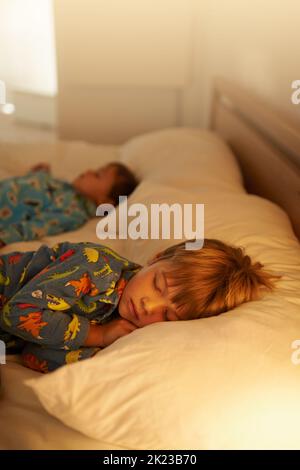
x,y
241,219
185,158
217,383
223,382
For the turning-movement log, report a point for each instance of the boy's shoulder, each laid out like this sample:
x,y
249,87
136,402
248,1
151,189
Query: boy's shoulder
x,y
93,255
91,250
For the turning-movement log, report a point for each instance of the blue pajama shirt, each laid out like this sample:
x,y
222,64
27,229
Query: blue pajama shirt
x,y
36,205
49,298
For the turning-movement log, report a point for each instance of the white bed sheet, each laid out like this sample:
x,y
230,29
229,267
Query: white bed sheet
x,y
24,424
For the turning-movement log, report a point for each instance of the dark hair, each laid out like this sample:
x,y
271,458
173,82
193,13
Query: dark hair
x,y
125,183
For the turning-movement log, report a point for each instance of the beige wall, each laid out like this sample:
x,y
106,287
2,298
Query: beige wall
x,y
121,66
253,42
27,49
126,67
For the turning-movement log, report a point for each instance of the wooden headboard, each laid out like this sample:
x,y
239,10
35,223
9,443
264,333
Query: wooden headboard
x,y
266,145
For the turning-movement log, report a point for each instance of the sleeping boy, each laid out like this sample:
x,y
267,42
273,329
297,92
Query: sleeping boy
x,y
37,204
63,304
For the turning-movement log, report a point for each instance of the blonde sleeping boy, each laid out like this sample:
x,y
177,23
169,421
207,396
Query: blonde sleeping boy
x,y
63,304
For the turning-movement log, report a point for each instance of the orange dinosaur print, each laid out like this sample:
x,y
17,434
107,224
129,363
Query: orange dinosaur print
x,y
31,361
82,285
94,290
32,323
14,259
121,286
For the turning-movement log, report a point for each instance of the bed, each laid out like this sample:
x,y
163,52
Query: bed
x,y
239,383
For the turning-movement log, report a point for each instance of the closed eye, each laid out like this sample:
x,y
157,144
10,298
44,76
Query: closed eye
x,y
166,315
155,285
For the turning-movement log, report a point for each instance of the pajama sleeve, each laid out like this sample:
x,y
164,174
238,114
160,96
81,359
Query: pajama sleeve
x,y
46,223
44,326
41,311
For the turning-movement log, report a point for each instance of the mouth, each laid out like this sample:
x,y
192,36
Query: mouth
x,y
133,310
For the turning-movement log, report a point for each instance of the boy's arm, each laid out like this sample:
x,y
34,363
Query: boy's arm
x,y
47,319
104,335
47,223
37,324
37,315
57,329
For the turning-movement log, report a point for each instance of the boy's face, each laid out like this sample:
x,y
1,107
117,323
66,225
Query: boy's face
x,y
97,184
146,297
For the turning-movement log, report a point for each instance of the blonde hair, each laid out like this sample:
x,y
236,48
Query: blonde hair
x,y
213,279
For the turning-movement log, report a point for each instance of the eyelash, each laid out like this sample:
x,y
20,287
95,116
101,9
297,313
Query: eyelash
x,y
156,286
158,289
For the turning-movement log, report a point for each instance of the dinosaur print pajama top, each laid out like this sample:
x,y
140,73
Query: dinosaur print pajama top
x,y
49,297
37,204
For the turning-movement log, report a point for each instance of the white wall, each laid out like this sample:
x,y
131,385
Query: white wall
x,y
121,66
253,42
126,67
27,48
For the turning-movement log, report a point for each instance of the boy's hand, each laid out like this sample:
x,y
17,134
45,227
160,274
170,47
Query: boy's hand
x,y
116,329
41,167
